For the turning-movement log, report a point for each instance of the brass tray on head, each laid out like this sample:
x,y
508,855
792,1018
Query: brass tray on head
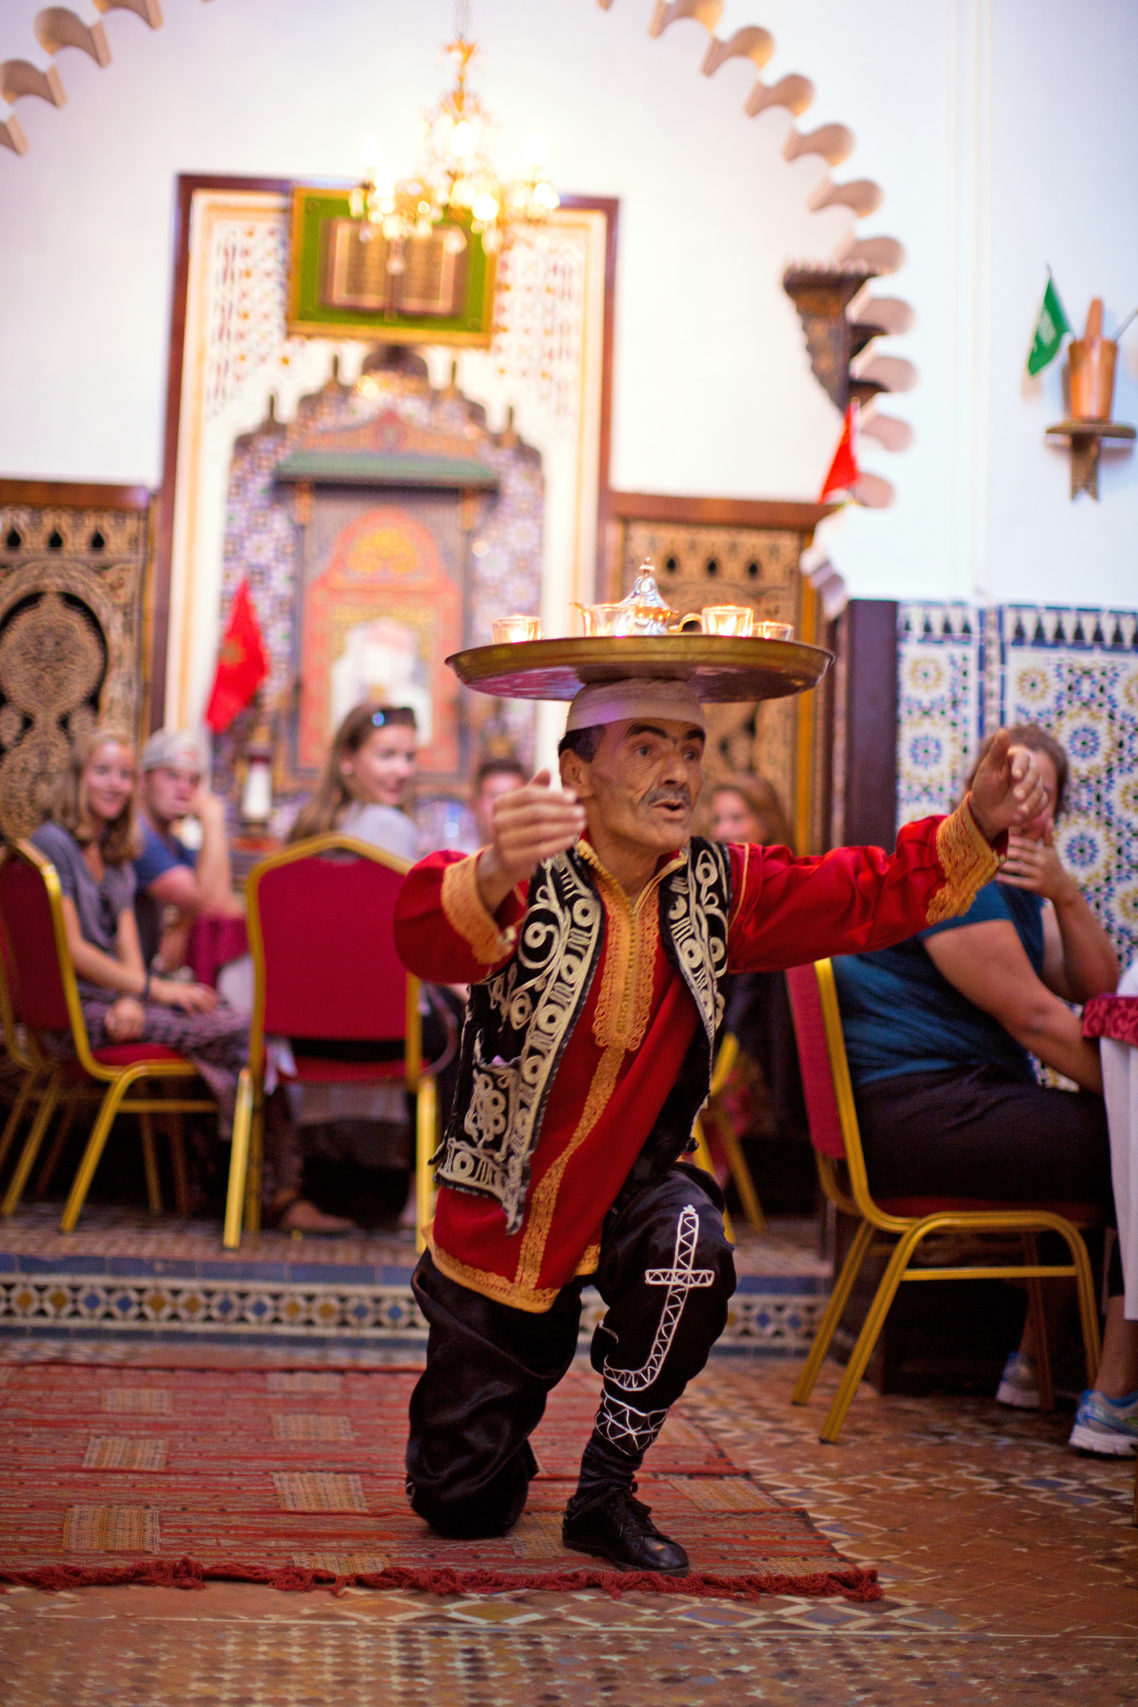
x,y
719,667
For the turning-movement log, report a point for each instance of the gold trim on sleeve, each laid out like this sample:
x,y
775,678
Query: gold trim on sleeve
x,y
465,913
968,860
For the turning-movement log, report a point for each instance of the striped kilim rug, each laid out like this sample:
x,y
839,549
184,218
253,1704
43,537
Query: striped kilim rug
x,y
295,1478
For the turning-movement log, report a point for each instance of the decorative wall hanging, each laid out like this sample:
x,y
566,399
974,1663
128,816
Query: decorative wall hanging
x,y
342,281
72,566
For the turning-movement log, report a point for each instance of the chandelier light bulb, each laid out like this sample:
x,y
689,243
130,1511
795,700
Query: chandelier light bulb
x,y
462,140
456,178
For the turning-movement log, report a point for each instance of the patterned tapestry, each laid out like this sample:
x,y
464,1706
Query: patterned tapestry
x,y
964,671
71,594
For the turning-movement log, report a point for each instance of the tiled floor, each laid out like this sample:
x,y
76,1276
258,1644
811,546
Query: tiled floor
x,y
1010,1567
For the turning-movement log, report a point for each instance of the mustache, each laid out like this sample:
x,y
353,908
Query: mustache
x,y
679,795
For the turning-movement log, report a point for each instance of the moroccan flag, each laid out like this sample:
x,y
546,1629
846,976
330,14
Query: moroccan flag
x,y
844,471
241,663
1050,329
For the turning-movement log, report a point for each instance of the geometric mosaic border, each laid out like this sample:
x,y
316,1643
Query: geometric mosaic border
x,y
775,1318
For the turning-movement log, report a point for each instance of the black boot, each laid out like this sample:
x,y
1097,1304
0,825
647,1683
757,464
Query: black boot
x,y
602,1517
615,1526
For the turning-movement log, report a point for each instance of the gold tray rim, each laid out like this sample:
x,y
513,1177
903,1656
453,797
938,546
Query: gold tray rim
x,y
721,668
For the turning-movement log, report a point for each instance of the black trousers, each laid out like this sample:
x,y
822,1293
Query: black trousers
x,y
666,1273
973,1132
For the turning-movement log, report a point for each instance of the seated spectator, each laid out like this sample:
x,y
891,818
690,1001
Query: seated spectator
x,y
366,781
748,809
764,1097
940,1030
494,777
91,840
174,883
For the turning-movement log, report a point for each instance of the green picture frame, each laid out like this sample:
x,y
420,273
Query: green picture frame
x,y
339,285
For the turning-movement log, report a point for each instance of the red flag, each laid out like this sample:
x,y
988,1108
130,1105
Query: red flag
x,y
241,663
844,471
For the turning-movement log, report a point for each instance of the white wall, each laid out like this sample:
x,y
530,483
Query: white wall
x,y
1001,132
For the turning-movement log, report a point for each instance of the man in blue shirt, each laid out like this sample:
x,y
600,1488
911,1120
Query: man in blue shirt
x,y
175,882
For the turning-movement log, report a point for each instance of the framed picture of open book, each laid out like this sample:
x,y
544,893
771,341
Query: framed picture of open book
x,y
346,279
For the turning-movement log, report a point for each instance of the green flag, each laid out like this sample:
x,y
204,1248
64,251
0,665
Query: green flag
x,y
1050,330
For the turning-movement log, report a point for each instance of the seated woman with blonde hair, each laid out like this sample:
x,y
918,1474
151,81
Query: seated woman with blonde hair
x,y
91,839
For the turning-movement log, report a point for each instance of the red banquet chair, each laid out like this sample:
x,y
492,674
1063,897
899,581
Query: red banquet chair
x,y
20,1069
320,919
44,999
898,1225
715,1132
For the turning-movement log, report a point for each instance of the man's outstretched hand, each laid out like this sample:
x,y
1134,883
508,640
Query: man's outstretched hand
x,y
531,823
1007,790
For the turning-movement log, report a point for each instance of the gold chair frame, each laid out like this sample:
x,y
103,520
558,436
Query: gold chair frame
x,y
725,1060
61,1090
901,1236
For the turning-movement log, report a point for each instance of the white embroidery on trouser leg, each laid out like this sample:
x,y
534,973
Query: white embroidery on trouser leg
x,y
679,1280
631,1430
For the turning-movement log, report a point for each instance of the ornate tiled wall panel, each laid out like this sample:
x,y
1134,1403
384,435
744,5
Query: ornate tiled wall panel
x,y
964,671
249,1301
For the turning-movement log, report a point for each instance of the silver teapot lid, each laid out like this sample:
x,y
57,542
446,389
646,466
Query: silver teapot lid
x,y
645,591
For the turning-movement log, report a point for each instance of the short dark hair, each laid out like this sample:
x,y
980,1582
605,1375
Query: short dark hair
x,y
501,764
586,743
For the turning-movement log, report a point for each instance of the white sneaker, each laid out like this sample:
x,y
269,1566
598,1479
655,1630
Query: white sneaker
x,y
1106,1427
1019,1385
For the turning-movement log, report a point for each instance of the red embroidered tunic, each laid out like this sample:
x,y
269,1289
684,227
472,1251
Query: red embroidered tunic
x,y
638,1017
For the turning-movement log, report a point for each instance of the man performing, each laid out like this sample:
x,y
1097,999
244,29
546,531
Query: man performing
x,y
595,933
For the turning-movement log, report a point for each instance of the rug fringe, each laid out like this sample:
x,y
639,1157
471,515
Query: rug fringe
x,y
855,1583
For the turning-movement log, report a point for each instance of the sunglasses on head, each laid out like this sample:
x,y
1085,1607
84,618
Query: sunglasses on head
x,y
392,714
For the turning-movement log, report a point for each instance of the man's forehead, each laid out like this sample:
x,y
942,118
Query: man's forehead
x,y
671,728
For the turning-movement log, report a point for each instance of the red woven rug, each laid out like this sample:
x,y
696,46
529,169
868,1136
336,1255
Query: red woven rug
x,y
295,1478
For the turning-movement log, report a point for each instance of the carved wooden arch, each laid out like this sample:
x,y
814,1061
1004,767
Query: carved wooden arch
x,y
860,259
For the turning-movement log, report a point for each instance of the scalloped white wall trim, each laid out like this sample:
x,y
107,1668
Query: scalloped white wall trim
x,y
56,28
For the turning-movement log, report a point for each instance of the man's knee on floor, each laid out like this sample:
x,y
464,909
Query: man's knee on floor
x,y
460,1506
467,1516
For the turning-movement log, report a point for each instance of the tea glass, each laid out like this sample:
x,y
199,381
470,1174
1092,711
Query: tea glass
x,y
606,619
728,619
516,627
774,630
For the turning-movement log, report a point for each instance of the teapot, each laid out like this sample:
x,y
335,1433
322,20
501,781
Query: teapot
x,y
643,611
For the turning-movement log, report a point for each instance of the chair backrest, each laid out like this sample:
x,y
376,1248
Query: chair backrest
x,y
320,919
41,981
822,1058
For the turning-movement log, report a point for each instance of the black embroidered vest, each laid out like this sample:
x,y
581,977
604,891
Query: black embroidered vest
x,y
520,1019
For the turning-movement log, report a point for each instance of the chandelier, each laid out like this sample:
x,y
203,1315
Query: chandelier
x,y
455,180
